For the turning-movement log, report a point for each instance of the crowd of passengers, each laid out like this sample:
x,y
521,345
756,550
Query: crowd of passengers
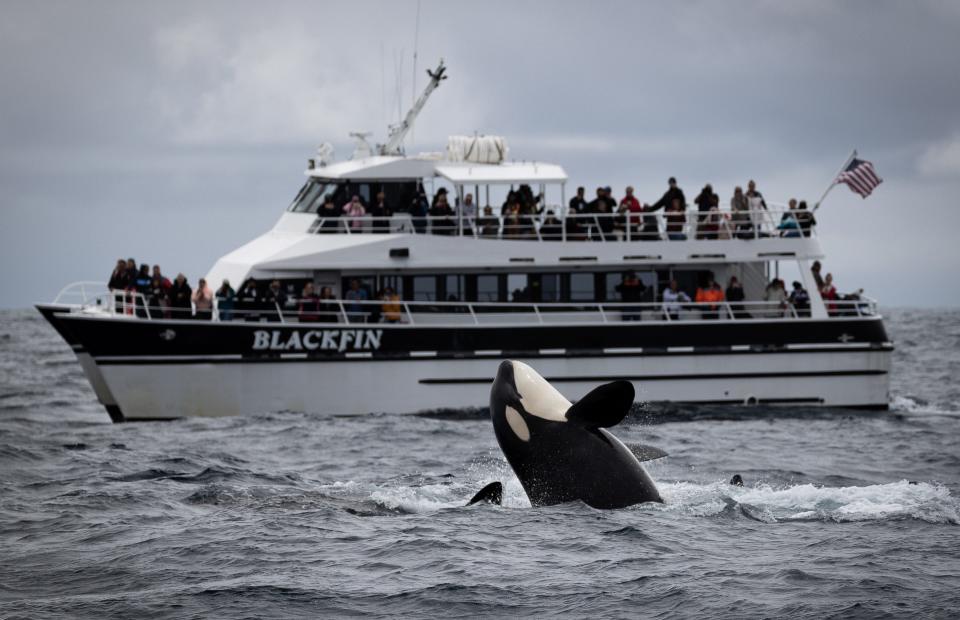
x,y
603,218
151,294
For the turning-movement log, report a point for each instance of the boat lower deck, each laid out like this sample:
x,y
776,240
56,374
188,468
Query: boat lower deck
x,y
145,369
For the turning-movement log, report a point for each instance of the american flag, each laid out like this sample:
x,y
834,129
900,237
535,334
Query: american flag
x,y
860,177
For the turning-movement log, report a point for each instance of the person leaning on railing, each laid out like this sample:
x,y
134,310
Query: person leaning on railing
x,y
226,298
180,293
308,308
328,309
380,213
203,301
391,308
329,213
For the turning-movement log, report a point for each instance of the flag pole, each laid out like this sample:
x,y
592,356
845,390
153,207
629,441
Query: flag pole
x,y
833,182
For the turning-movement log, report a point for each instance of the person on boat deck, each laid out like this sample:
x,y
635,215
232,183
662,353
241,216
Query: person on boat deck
x,y
756,204
829,294
468,213
673,300
380,212
131,273
705,201
650,226
419,208
248,301
740,210
203,301
330,214
442,215
805,218
776,297
578,204
817,278
488,225
141,285
328,309
604,223
673,193
309,305
180,293
711,296
512,223
800,299
274,301
391,306
118,277
226,297
354,212
789,226
676,217
159,294
735,294
630,205
356,311
551,229
631,290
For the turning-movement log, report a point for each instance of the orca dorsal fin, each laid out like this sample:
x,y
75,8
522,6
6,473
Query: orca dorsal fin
x,y
604,407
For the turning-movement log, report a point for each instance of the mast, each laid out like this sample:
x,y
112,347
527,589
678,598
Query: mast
x,y
399,132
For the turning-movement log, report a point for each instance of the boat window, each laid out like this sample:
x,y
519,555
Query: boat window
x,y
310,197
517,287
488,287
550,287
425,288
454,289
581,287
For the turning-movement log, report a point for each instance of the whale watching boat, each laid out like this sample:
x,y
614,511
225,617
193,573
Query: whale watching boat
x,y
465,290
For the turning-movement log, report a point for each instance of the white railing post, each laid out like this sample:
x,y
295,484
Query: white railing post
x,y
406,309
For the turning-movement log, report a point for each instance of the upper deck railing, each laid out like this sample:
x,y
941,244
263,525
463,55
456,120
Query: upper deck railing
x,y
774,222
133,305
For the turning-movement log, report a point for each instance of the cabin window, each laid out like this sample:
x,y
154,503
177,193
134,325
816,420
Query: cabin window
x,y
424,288
550,287
488,287
454,289
518,286
582,287
310,197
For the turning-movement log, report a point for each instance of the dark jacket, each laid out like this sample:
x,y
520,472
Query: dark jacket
x,y
667,199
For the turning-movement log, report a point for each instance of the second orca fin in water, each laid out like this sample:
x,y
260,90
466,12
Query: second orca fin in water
x,y
603,407
491,494
645,453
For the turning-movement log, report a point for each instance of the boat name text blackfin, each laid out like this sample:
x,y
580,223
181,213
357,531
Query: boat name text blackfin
x,y
317,340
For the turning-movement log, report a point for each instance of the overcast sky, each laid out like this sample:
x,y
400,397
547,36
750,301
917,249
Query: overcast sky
x,y
174,132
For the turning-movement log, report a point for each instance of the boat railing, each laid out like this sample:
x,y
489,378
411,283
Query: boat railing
x,y
96,298
553,225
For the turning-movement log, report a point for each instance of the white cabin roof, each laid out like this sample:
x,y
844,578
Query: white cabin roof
x,y
383,167
507,173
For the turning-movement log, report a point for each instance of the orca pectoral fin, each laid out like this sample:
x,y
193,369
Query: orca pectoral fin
x,y
646,453
604,407
492,494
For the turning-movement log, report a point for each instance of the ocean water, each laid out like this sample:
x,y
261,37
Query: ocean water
x,y
844,514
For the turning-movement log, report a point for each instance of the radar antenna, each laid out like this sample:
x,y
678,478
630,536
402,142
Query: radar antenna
x,y
394,145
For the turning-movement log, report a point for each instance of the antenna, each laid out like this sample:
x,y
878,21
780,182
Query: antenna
x,y
416,40
397,133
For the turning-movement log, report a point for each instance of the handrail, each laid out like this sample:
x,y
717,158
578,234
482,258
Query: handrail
x,y
555,224
133,304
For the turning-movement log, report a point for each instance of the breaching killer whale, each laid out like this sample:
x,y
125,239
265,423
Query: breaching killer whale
x,y
562,452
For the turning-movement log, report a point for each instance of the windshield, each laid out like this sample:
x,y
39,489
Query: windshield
x,y
310,197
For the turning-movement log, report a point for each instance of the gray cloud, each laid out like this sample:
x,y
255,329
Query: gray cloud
x,y
175,131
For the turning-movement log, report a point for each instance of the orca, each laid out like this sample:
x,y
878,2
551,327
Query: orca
x,y
562,452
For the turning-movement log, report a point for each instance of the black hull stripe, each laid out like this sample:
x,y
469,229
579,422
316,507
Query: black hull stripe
x,y
203,359
649,378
